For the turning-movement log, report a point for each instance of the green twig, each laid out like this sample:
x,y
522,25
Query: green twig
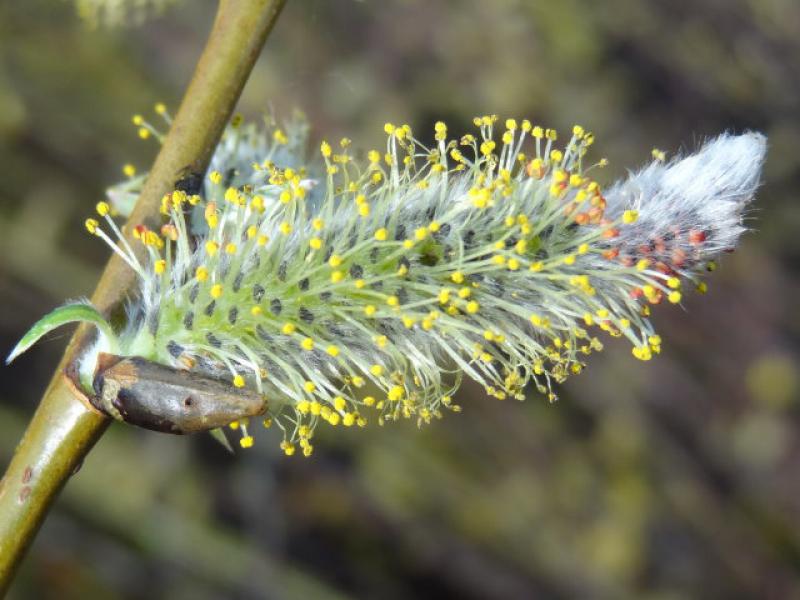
x,y
65,427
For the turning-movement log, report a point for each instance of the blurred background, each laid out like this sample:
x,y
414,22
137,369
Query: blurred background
x,y
672,479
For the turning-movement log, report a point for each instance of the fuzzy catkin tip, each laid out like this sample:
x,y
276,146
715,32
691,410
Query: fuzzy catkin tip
x,y
364,289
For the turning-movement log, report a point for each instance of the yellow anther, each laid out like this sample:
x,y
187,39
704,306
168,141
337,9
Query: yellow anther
x,y
160,266
630,216
216,290
238,381
288,328
280,137
335,261
487,147
307,344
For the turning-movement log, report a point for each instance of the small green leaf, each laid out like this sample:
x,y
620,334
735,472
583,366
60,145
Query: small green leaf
x,y
219,435
69,313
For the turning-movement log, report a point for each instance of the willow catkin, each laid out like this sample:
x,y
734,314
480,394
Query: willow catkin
x,y
365,289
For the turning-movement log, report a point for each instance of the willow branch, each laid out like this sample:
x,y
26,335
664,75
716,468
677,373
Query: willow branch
x,y
64,428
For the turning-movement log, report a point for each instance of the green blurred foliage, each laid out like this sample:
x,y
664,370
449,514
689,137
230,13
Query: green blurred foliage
x,y
666,480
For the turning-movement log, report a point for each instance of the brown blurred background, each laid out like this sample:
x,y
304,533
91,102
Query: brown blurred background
x,y
672,479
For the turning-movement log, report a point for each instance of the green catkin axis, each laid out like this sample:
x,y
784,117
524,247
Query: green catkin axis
x,y
367,290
